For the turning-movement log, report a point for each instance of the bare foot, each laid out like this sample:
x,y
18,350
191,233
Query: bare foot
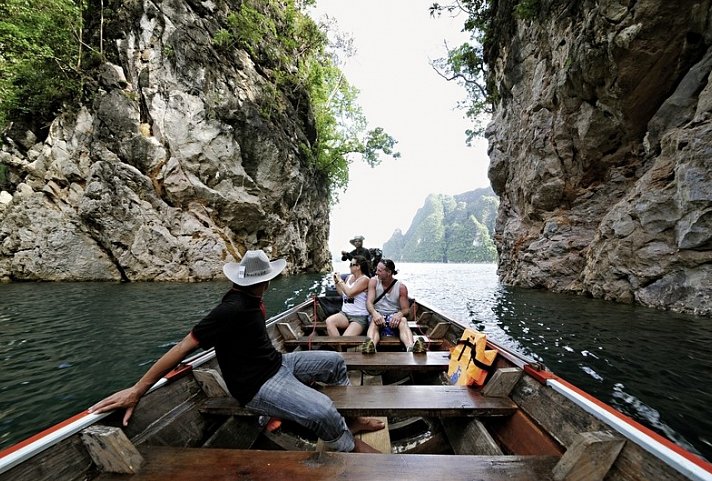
x,y
361,447
362,425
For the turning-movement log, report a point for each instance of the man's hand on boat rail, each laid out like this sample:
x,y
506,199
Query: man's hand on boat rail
x,y
128,398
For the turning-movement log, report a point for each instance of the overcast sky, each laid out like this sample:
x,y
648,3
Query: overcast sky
x,y
399,91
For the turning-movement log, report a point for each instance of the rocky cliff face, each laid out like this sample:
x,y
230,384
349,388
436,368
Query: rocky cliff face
x,y
188,156
601,151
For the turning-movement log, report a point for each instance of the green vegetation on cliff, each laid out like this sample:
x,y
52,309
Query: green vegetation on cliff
x,y
449,229
40,57
283,38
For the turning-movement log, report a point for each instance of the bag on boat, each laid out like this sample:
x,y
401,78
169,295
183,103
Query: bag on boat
x,y
470,361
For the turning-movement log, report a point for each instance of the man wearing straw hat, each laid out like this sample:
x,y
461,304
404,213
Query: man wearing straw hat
x,y
360,250
261,378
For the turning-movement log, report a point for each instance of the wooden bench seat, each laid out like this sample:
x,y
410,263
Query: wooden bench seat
x,y
416,401
342,342
307,326
404,361
195,464
407,400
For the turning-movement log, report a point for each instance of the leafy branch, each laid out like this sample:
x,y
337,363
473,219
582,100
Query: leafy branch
x,y
468,63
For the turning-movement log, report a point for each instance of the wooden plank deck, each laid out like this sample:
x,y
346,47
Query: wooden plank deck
x,y
194,464
391,399
380,439
405,361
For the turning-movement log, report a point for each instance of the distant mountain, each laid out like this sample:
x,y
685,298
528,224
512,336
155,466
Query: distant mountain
x,y
449,229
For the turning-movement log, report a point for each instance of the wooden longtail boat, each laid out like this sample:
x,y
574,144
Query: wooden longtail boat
x,y
526,423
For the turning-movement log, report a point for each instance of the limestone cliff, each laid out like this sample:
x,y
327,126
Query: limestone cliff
x,y
448,229
187,156
601,150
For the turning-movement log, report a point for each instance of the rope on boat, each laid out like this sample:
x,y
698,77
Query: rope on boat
x,y
314,319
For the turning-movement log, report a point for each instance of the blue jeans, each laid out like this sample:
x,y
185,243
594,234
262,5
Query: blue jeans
x,y
287,395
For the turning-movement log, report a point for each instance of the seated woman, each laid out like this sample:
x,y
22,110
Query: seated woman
x,y
353,316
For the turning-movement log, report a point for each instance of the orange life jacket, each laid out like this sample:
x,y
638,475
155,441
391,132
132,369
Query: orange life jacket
x,y
470,361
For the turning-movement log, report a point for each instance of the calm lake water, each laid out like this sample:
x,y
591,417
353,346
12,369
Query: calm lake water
x,y
66,345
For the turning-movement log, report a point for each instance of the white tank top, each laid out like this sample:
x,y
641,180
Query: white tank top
x,y
389,303
358,306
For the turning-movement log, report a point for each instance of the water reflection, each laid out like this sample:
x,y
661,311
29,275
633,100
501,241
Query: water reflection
x,y
631,357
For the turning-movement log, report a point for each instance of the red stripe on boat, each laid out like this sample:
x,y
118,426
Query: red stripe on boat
x,y
176,373
42,434
693,458
179,371
539,374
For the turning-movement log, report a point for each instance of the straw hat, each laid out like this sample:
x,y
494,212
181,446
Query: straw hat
x,y
356,238
255,267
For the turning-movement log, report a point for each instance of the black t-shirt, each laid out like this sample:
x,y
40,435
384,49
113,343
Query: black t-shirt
x,y
359,251
237,330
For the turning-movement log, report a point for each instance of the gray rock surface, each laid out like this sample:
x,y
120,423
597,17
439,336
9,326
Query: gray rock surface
x,y
187,157
601,152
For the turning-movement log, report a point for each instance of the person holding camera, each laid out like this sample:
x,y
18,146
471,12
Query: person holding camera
x,y
359,250
353,317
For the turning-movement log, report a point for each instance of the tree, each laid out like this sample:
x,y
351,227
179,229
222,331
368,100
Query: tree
x,y
466,63
39,57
